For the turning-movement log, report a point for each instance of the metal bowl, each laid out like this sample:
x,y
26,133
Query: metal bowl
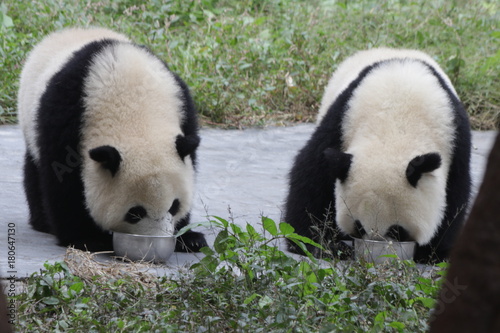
x,y
143,247
374,250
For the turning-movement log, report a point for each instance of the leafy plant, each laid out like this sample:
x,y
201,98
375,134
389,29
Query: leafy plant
x,y
245,283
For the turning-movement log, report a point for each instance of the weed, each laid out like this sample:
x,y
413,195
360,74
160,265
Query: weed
x,y
245,283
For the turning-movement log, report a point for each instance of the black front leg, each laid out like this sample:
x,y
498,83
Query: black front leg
x,y
38,218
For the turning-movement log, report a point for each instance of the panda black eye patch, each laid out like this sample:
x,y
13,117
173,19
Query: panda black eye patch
x,y
108,156
420,165
135,214
174,209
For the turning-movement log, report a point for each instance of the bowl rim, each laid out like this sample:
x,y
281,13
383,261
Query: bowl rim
x,y
374,241
143,236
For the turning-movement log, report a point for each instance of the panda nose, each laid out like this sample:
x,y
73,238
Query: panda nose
x,y
135,214
359,230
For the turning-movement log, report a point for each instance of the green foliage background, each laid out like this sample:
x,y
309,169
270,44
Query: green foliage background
x,y
258,62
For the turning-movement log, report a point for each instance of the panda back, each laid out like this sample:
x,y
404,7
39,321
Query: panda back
x,y
44,61
350,68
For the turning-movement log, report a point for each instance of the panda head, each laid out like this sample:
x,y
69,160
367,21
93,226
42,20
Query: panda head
x,y
400,198
137,171
139,192
391,167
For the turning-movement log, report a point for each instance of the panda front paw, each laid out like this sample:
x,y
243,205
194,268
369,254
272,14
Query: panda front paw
x,y
191,241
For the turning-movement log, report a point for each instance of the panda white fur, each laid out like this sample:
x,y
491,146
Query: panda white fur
x,y
389,157
111,138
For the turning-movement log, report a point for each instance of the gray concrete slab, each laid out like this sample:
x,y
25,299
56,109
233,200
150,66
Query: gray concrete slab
x,y
244,170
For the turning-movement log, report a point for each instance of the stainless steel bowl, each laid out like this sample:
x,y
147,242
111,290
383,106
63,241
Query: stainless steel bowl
x,y
143,247
372,250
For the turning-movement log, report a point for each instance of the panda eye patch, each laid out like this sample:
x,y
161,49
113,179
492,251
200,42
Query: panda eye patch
x,y
174,209
135,214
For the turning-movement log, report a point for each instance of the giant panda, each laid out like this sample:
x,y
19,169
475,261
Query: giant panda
x,y
111,137
388,159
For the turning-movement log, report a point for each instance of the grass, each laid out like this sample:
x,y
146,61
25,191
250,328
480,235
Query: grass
x,y
261,62
243,284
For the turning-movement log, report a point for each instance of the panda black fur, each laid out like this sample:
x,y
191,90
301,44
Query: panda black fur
x,y
389,157
111,139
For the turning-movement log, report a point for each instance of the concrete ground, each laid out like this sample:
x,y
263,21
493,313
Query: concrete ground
x,y
244,170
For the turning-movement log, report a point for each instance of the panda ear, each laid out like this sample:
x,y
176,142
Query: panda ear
x,y
108,157
339,163
420,165
186,144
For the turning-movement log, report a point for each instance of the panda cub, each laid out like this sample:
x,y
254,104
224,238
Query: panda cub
x,y
111,137
389,158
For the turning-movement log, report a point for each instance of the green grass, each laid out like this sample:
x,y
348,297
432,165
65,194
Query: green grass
x,y
243,284
258,62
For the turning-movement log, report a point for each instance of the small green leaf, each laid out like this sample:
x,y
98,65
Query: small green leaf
x,y
397,325
286,229
63,324
190,226
77,287
206,265
269,226
221,241
207,251
394,256
222,221
5,21
236,229
251,230
47,280
50,300
253,234
295,237
250,298
324,272
380,317
495,34
265,301
427,302
62,265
